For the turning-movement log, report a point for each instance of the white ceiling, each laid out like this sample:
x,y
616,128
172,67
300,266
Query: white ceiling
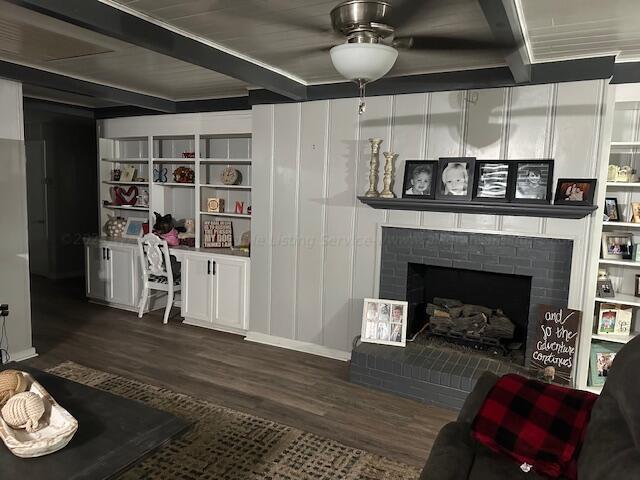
x,y
562,29
282,32
37,40
274,32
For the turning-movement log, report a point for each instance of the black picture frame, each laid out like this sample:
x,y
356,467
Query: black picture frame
x,y
586,187
481,189
531,181
451,166
429,167
611,209
605,289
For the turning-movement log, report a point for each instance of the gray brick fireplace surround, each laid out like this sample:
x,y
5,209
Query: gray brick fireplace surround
x,y
440,375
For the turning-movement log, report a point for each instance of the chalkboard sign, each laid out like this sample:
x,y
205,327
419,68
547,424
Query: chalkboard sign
x,y
555,341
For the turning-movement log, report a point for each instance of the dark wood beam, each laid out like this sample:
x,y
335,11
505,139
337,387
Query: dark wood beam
x,y
551,72
627,72
189,106
35,76
113,22
502,18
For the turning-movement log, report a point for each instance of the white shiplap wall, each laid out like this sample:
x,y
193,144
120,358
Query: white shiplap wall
x,y
314,249
14,250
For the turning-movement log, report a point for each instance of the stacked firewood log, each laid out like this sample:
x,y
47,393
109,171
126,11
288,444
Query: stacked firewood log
x,y
447,315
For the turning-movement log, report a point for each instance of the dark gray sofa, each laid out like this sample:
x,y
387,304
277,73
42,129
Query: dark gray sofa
x,y
611,449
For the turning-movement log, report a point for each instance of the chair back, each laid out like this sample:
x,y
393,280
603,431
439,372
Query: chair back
x,y
155,258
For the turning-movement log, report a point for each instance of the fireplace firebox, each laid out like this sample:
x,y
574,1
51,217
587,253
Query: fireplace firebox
x,y
484,300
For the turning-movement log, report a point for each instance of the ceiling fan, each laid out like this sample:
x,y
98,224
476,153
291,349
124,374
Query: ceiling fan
x,y
374,31
372,40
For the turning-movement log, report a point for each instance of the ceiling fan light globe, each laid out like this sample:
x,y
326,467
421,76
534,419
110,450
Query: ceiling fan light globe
x,y
363,61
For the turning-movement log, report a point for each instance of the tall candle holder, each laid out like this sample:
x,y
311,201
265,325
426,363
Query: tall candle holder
x,y
387,180
373,168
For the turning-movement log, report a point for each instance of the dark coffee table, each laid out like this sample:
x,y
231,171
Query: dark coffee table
x,y
114,434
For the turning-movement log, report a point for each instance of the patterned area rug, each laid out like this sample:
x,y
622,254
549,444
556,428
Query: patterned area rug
x,y
224,444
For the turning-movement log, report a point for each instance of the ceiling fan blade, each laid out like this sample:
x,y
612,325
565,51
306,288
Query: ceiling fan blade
x,y
289,55
260,11
404,11
441,42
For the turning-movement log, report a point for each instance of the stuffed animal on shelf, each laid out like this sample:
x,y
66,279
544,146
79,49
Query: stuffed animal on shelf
x,y
114,227
165,229
11,383
24,410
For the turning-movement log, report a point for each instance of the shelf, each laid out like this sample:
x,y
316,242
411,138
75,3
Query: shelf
x,y
232,187
174,184
486,208
113,182
623,184
126,207
235,215
613,338
621,299
126,160
596,390
621,224
625,144
621,263
222,161
186,161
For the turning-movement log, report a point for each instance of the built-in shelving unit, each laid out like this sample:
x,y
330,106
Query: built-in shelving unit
x,y
624,151
208,155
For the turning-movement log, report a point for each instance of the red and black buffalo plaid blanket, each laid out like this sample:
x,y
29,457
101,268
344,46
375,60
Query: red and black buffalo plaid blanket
x,y
535,423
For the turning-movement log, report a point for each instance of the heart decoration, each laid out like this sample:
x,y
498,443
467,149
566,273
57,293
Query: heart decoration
x,y
126,197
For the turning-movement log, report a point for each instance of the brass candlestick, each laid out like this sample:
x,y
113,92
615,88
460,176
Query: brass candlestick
x,y
387,180
373,168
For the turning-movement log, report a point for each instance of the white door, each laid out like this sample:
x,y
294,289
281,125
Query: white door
x,y
197,288
230,287
120,260
97,274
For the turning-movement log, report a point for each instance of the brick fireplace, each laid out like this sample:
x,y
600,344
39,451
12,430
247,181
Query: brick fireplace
x,y
506,271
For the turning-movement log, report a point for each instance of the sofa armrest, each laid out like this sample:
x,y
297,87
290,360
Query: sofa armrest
x,y
452,454
474,401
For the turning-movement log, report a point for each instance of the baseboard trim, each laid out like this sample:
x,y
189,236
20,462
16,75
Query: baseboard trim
x,y
298,346
23,355
212,326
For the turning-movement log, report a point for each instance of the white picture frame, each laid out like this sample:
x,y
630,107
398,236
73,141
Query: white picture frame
x,y
133,227
384,322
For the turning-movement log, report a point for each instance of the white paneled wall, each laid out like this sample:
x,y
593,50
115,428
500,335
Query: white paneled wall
x,y
14,250
314,252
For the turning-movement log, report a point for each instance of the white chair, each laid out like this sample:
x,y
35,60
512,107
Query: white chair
x,y
157,273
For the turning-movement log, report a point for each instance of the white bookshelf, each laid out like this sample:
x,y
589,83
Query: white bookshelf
x,y
624,151
613,338
206,153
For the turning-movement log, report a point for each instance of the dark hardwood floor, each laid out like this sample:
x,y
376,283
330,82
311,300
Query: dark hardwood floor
x,y
304,391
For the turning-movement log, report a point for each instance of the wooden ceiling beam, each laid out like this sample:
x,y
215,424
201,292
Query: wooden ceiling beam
x,y
502,17
57,81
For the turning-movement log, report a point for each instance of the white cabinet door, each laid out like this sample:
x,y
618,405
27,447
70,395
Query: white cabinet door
x,y
197,288
97,272
120,260
230,293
